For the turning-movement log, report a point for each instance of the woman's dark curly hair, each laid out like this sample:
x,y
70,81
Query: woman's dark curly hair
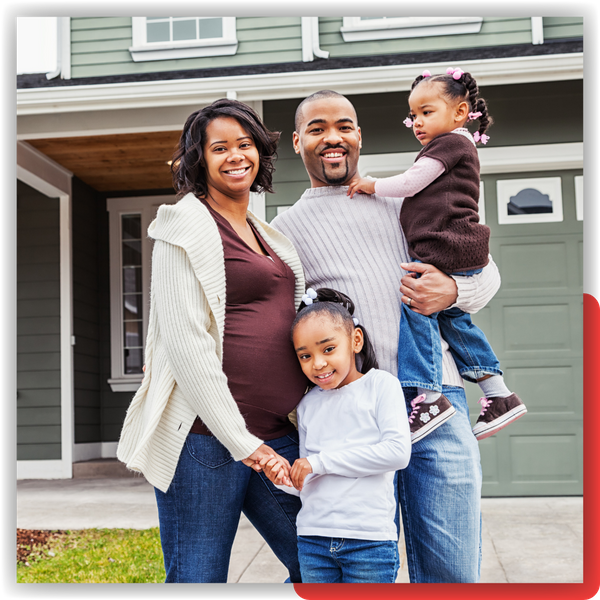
x,y
458,90
340,308
187,166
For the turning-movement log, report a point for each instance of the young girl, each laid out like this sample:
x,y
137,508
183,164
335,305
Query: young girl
x,y
354,435
440,220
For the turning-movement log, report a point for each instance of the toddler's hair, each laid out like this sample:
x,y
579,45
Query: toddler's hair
x,y
340,308
461,89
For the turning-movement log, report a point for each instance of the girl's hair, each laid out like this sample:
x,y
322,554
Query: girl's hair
x,y
187,166
339,308
458,90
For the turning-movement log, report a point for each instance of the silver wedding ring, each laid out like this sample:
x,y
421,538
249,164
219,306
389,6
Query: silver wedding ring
x,y
409,302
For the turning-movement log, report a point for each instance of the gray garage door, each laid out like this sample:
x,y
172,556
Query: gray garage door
x,y
535,325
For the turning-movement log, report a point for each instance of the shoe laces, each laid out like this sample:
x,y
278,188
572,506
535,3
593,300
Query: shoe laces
x,y
485,403
415,407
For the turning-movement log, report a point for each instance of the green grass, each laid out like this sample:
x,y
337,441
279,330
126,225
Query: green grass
x,y
98,556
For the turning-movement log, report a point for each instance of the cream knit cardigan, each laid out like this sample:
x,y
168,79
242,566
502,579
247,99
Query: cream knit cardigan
x,y
184,345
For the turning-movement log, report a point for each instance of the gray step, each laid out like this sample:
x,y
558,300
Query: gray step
x,y
101,468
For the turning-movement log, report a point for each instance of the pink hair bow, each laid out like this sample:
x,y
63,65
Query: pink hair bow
x,y
481,138
408,122
456,73
426,73
474,115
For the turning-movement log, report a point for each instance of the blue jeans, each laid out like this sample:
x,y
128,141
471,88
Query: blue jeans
x,y
200,512
343,560
420,347
440,498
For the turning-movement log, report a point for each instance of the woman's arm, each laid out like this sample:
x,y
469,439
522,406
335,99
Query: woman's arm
x,y
184,320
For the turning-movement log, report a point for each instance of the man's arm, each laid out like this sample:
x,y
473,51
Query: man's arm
x,y
435,291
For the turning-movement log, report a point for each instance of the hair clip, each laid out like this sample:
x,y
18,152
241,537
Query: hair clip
x,y
309,297
474,115
426,73
456,73
408,122
481,138
355,321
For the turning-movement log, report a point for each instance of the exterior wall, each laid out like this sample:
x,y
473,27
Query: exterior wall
x,y
100,46
380,118
86,329
38,326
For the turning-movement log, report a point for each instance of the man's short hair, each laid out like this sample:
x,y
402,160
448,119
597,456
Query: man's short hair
x,y
316,96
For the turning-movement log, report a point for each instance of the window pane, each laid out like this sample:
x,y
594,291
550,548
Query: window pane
x,y
184,30
211,28
132,334
132,227
132,306
133,360
132,253
132,280
157,32
157,18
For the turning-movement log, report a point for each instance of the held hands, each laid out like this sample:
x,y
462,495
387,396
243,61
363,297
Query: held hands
x,y
263,453
361,185
280,474
432,292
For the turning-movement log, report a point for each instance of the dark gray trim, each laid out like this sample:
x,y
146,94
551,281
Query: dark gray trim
x,y
39,80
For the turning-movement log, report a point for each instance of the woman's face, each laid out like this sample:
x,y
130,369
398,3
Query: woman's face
x,y
230,157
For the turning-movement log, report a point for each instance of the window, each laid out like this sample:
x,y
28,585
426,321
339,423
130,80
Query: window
x,y
162,38
130,259
358,29
537,200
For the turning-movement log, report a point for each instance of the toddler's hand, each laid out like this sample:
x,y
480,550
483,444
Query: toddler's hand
x,y
300,469
276,470
361,185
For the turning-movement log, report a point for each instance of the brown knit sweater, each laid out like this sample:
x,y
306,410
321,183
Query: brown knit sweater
x,y
441,222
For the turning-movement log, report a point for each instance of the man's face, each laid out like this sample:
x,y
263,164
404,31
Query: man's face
x,y
329,141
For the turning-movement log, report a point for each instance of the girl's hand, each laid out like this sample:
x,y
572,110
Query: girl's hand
x,y
299,472
361,185
276,471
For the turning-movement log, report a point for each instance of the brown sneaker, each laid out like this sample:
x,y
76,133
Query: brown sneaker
x,y
497,413
424,418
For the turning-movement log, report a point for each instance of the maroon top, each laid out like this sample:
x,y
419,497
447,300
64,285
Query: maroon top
x,y
441,222
263,372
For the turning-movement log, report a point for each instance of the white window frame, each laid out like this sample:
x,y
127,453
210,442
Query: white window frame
x,y
355,30
142,50
146,206
550,186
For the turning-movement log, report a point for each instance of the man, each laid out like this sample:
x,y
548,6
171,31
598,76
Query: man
x,y
357,246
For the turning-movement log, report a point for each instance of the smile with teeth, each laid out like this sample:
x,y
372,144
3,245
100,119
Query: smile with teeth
x,y
324,375
333,154
237,171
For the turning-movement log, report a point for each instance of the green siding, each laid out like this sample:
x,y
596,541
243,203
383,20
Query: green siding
x,y
86,314
563,27
38,326
100,46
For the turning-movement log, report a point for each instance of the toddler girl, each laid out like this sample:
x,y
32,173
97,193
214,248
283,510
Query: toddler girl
x,y
354,435
440,220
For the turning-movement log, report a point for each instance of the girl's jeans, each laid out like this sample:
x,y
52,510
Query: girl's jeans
x,y
343,560
440,498
200,512
420,347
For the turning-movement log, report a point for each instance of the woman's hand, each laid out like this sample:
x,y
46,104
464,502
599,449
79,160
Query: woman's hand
x,y
276,470
262,452
361,185
299,472
432,292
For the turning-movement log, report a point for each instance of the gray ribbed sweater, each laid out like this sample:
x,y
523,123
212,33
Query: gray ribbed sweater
x,y
356,245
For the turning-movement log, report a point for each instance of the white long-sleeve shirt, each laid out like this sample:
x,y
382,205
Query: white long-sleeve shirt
x,y
355,438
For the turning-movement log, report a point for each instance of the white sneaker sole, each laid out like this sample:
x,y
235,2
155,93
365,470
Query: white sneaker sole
x,y
485,430
432,425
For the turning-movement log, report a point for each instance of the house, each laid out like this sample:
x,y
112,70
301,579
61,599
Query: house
x,y
95,137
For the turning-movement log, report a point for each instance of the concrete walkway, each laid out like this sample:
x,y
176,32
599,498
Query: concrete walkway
x,y
525,540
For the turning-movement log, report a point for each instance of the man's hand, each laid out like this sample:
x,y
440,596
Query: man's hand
x,y
432,292
300,470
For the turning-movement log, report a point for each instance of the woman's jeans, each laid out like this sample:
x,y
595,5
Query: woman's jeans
x,y
420,347
343,560
440,498
200,512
